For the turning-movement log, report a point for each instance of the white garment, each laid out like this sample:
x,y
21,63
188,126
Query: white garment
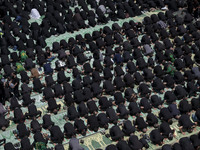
x,y
103,8
34,14
97,1
164,8
61,63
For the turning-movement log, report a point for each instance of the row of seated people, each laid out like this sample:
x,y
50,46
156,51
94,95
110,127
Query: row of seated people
x,y
185,143
60,18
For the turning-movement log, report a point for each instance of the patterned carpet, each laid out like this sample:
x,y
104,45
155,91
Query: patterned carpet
x,y
92,140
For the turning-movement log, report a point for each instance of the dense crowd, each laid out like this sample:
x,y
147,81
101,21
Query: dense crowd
x,y
104,78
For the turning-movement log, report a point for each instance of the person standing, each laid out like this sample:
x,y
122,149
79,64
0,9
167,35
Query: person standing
x,y
14,85
2,93
197,12
190,5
